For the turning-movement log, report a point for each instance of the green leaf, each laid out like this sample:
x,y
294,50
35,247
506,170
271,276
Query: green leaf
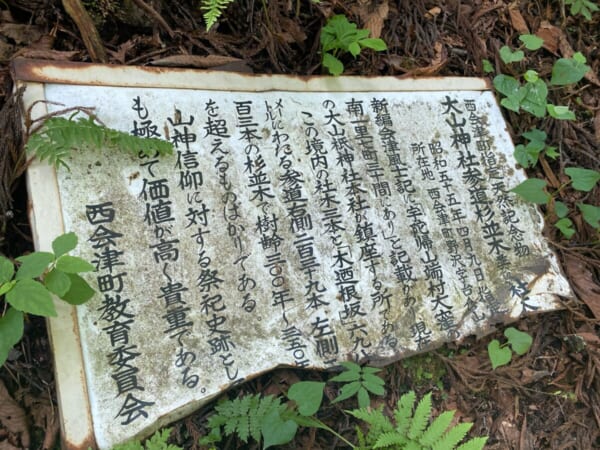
x,y
532,190
64,244
474,444
363,398
277,432
551,152
527,155
509,56
421,417
560,112
531,76
568,71
487,66
354,49
33,265
308,395
506,84
374,44
531,41
352,373
591,214
565,226
57,282
11,332
79,292
560,209
73,264
534,96
535,135
583,179
347,391
499,356
511,103
5,287
518,340
332,64
7,269
31,297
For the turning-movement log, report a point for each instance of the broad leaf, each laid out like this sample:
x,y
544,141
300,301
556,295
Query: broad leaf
x,y
332,64
64,244
7,269
11,332
57,282
531,41
347,391
307,395
506,84
565,225
535,135
583,179
509,56
277,432
560,209
33,265
73,264
363,398
568,71
534,98
499,356
518,340
31,297
373,43
5,287
560,112
79,292
532,190
591,214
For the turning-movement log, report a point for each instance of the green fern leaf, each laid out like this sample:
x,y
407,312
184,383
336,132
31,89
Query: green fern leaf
x,y
391,439
213,10
436,430
474,444
452,437
403,412
420,418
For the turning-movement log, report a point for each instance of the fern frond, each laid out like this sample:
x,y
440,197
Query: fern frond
x,y
391,439
474,444
420,418
59,136
436,430
403,412
452,437
214,9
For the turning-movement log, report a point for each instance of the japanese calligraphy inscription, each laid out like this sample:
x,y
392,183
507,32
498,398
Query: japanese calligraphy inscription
x,y
289,228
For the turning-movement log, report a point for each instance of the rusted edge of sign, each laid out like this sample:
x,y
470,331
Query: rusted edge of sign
x,y
63,330
158,77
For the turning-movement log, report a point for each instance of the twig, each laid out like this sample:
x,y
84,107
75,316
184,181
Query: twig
x,y
87,29
152,12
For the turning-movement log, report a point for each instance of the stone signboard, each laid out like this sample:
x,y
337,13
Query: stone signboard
x,y
299,222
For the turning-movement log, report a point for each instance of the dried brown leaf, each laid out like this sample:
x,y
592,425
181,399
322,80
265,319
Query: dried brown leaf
x,y
516,19
551,36
582,280
12,416
373,20
202,62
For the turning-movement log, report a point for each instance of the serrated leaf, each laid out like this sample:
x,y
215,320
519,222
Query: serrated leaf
x,y
73,264
347,391
393,439
373,43
591,214
7,269
519,341
403,411
64,244
551,152
499,356
57,282
532,190
453,436
31,297
474,444
308,396
332,64
567,71
420,418
583,179
275,431
509,56
11,332
33,265
560,112
436,430
79,292
531,41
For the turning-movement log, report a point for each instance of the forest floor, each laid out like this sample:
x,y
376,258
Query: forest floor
x,y
548,398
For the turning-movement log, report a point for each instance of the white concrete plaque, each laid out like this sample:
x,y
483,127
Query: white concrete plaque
x,y
299,222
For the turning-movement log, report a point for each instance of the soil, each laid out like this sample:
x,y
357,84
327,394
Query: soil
x,y
548,398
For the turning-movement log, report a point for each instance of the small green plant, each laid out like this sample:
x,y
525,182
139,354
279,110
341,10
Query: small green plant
x,y
359,381
29,288
527,155
413,429
583,7
59,135
158,441
269,420
500,354
213,9
338,36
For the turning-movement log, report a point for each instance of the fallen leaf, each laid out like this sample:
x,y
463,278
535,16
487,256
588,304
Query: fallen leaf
x,y
433,12
202,62
516,19
374,20
551,36
582,280
12,416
